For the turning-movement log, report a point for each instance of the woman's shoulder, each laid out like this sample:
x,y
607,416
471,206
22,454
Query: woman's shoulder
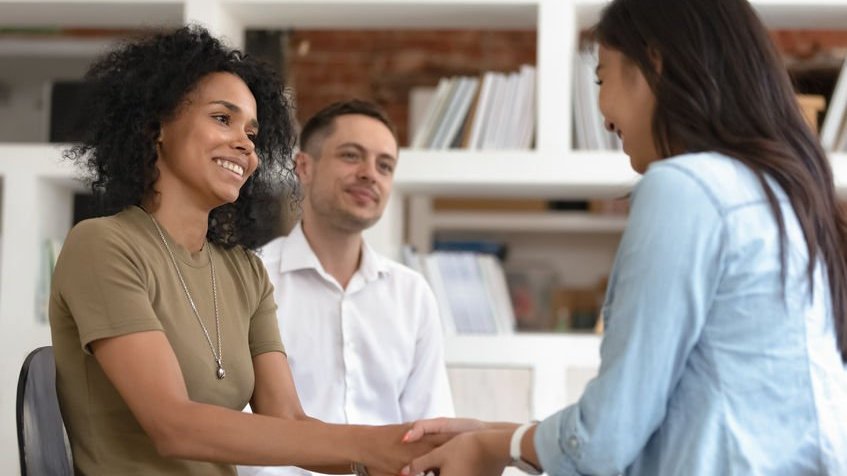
x,y
95,229
707,167
104,232
726,181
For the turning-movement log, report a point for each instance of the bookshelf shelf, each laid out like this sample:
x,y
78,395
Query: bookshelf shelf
x,y
92,13
528,222
376,14
52,47
576,174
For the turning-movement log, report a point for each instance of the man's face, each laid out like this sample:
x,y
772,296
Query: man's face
x,y
348,184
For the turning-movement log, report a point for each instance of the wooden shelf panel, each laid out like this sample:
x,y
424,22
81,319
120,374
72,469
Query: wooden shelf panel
x,y
103,13
391,14
515,174
531,222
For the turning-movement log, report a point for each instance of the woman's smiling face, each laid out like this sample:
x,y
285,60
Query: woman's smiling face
x,y
627,103
206,151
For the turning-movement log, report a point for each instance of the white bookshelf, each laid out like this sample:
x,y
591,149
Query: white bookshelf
x,y
528,222
35,203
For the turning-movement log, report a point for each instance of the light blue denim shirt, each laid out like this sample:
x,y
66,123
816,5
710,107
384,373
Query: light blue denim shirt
x,y
707,367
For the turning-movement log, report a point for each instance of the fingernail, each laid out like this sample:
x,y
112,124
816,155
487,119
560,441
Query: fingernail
x,y
407,436
405,471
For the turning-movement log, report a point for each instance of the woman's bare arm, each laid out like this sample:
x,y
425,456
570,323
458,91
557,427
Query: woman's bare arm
x,y
144,370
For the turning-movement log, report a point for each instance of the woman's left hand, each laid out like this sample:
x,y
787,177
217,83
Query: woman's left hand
x,y
482,453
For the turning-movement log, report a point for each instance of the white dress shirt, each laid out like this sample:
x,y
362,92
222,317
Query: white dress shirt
x,y
369,354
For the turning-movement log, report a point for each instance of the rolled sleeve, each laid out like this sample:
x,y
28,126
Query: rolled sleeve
x,y
553,456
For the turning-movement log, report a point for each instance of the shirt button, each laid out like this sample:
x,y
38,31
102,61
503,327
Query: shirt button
x,y
573,442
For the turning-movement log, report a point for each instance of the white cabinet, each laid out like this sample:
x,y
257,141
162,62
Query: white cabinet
x,y
36,186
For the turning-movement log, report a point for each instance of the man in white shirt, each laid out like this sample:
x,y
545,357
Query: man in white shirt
x,y
362,333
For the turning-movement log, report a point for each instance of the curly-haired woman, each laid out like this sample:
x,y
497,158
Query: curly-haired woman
x,y
162,317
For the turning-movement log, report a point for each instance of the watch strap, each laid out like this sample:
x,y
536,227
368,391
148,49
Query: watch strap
x,y
515,451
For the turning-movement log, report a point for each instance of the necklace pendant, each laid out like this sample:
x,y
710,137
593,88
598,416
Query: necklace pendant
x,y
221,373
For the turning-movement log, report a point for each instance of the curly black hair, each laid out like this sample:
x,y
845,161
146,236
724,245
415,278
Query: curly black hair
x,y
141,84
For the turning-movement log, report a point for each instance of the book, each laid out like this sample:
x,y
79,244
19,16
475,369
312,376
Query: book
x,y
492,111
498,292
433,276
481,111
833,121
464,139
466,296
525,129
491,247
430,123
456,113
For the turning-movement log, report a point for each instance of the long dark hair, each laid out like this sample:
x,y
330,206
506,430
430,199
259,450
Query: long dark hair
x,y
723,87
141,84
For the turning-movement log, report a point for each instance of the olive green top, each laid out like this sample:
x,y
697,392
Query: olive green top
x,y
115,277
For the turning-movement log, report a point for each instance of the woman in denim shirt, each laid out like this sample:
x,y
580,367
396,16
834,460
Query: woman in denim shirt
x,y
726,315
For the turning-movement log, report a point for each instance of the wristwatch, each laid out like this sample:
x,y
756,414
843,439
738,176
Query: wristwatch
x,y
515,451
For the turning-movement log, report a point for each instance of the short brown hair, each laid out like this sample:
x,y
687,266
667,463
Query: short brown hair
x,y
322,124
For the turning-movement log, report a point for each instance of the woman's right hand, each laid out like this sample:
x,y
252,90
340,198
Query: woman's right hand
x,y
443,426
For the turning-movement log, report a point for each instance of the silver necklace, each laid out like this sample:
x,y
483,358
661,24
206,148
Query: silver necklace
x,y
218,356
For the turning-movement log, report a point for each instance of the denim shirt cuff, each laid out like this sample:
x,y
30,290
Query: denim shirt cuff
x,y
554,460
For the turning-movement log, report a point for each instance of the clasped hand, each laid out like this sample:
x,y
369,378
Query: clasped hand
x,y
390,447
472,447
448,446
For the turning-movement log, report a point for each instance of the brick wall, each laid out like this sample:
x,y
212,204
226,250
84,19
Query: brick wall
x,y
384,66
325,66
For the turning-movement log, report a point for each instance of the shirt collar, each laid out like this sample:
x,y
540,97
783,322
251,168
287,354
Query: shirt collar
x,y
373,265
297,255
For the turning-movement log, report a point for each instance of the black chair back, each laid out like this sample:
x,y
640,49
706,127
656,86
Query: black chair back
x,y
42,440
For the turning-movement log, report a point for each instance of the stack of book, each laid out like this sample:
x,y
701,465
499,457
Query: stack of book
x,y
471,290
495,111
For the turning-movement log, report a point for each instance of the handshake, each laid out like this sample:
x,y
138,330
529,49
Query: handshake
x,y
440,446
